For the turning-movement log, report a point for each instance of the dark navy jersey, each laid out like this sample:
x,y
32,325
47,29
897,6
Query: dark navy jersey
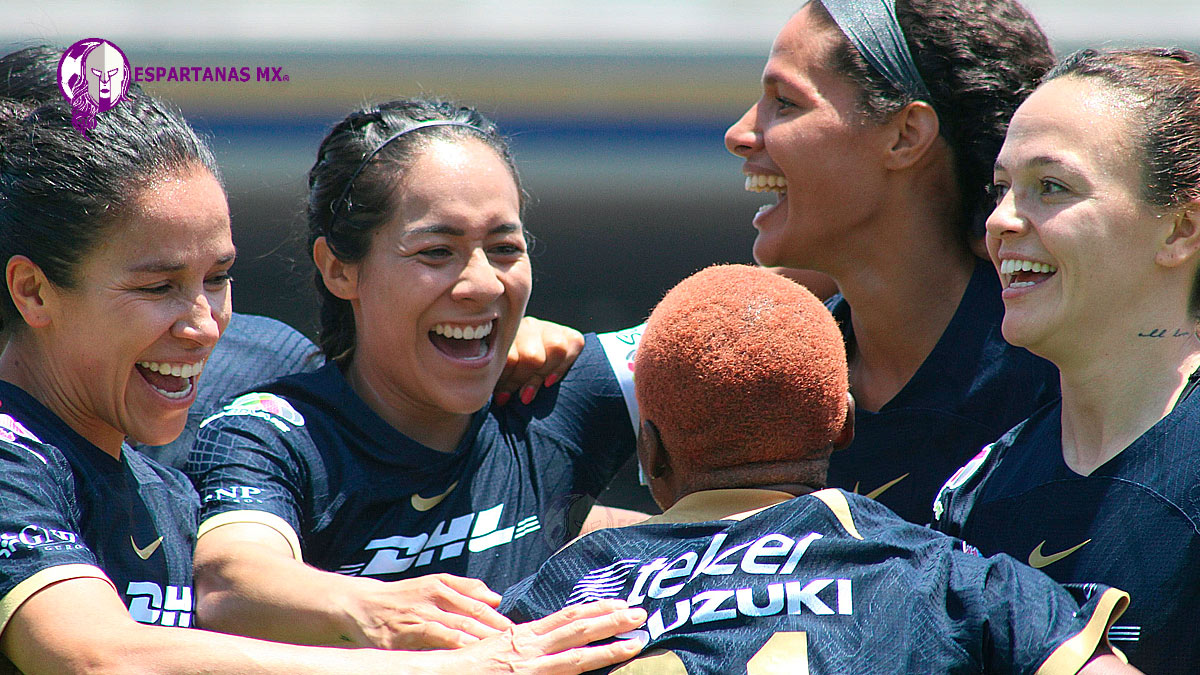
x,y
69,510
251,351
829,582
1133,523
353,495
971,389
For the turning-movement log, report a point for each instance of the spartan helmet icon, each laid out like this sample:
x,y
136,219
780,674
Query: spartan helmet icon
x,y
106,75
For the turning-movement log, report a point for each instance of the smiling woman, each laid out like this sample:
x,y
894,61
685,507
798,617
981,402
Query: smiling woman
x,y
1096,235
328,495
117,251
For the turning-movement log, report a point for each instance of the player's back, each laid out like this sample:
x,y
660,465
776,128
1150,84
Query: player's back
x,y
831,582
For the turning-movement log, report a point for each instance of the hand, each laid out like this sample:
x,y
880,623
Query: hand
x,y
437,611
555,644
542,353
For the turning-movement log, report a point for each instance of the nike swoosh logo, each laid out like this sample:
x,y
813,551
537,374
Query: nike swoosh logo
x,y
145,553
874,494
424,504
1037,560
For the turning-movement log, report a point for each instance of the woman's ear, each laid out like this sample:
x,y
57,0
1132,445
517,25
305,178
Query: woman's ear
x,y
916,127
1183,240
341,278
30,290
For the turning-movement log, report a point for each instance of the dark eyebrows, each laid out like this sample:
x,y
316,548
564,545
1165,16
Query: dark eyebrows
x,y
170,267
1036,162
504,228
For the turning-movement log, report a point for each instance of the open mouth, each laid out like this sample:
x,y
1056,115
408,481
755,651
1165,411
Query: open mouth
x,y
470,342
172,380
1025,273
759,182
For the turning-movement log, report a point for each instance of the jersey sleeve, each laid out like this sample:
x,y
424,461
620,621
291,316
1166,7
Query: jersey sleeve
x,y
587,412
957,496
1030,623
40,540
251,464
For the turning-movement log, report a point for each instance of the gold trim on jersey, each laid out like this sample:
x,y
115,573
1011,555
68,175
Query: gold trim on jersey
x,y
1075,652
837,503
726,504
25,590
255,518
653,662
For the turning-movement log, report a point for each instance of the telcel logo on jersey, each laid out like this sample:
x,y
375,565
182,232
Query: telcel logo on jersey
x,y
772,555
94,76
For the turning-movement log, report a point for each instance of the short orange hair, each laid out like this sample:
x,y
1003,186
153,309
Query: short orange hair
x,y
739,366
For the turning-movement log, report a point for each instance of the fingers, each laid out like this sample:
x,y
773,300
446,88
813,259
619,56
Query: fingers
x,y
473,605
472,588
563,634
580,624
584,659
540,355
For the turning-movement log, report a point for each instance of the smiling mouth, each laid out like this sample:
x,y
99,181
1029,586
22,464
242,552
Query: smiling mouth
x,y
759,182
172,380
1025,273
465,342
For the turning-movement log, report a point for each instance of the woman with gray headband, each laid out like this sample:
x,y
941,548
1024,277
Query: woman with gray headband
x,y
375,501
877,129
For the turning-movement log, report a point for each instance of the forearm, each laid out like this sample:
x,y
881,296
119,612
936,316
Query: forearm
x,y
252,590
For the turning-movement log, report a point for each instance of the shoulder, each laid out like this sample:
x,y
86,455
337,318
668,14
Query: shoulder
x,y
267,407
252,350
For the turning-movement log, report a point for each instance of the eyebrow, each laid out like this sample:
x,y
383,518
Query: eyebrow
x,y
168,267
505,228
1039,161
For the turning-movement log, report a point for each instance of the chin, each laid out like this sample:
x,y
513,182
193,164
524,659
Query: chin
x,y
160,433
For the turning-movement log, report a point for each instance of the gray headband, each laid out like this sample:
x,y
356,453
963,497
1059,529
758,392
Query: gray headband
x,y
875,31
337,206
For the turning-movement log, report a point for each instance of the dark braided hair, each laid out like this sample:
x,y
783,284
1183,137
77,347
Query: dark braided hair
x,y
348,225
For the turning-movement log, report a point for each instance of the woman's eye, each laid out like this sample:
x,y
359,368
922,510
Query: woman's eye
x,y
218,281
997,191
436,253
1051,187
508,250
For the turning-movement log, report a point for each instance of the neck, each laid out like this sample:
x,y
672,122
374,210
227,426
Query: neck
x,y
424,423
902,302
903,272
1125,387
25,366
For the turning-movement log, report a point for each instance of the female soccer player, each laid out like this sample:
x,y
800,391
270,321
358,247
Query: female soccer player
x,y
1096,235
877,130
331,499
117,249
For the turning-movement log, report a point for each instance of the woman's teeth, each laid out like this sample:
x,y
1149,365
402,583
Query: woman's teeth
x,y
173,369
463,332
763,183
1019,272
1011,266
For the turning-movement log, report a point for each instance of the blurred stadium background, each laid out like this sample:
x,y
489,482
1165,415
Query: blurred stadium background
x,y
616,111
